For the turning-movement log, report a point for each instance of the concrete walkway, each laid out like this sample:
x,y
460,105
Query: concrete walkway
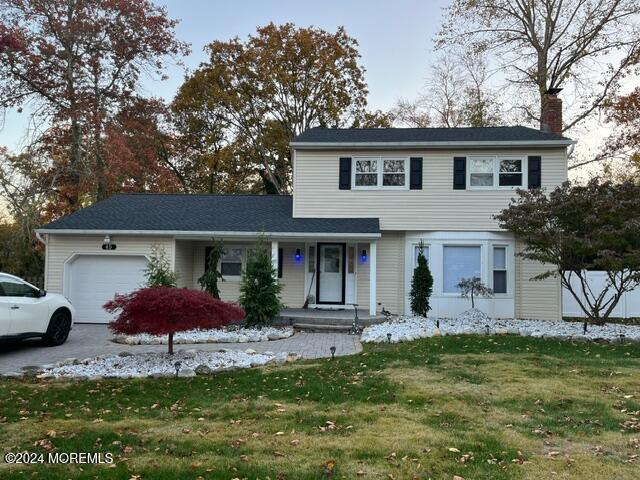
x,y
90,340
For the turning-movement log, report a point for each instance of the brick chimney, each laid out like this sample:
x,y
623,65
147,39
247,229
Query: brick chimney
x,y
551,114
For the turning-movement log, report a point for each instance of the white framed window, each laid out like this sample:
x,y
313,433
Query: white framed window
x,y
481,172
499,269
458,262
493,172
380,172
510,172
232,261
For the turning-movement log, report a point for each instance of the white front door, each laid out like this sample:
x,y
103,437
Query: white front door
x,y
96,279
331,273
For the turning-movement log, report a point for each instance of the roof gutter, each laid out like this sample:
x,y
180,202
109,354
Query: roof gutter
x,y
206,234
432,145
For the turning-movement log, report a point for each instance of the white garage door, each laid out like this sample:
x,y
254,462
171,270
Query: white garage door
x,y
95,279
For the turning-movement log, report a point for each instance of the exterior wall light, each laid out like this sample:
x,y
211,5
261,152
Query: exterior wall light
x,y
363,255
298,255
107,244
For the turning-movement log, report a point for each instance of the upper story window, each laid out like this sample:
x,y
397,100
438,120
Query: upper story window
x,y
380,172
495,172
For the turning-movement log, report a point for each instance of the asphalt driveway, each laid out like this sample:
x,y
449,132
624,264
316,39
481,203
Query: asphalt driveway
x,y
90,340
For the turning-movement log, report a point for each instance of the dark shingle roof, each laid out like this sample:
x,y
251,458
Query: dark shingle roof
x,y
418,135
205,213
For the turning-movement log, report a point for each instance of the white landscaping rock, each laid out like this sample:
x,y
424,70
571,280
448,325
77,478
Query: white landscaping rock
x,y
474,321
152,364
243,335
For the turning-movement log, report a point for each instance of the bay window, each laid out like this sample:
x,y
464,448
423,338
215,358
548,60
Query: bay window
x,y
499,269
460,262
380,172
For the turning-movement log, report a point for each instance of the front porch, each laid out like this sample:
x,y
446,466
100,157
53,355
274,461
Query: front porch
x,y
328,274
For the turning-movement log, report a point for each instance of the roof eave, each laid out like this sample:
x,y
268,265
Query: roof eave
x,y
208,234
431,145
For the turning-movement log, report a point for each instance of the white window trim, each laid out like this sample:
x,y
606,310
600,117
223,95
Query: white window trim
x,y
507,268
461,244
496,172
380,162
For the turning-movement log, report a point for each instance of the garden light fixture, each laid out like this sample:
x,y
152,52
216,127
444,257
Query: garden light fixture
x,y
177,366
333,352
388,338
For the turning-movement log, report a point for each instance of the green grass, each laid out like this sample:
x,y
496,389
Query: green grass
x,y
480,407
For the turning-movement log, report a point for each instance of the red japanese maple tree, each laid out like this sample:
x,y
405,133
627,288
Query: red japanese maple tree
x,y
167,310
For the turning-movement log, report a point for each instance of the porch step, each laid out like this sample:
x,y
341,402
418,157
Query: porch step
x,y
324,320
319,327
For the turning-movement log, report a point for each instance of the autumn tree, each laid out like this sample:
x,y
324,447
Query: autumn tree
x,y
583,46
623,112
578,228
75,63
457,94
22,192
254,96
168,310
141,151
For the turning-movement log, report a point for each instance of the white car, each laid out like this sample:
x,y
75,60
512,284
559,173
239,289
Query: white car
x,y
26,312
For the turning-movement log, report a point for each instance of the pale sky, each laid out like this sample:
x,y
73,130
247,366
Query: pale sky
x,y
395,42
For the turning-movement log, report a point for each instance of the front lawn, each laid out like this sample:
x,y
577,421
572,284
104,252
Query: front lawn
x,y
477,407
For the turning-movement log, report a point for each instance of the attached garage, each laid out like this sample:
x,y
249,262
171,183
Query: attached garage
x,y
92,280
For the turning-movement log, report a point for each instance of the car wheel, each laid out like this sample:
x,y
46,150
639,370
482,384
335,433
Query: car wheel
x,y
58,329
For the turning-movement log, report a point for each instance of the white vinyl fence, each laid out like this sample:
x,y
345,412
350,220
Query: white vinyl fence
x,y
628,306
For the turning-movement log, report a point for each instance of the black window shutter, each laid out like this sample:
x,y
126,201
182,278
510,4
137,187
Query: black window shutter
x,y
280,262
207,252
345,173
459,173
535,171
415,173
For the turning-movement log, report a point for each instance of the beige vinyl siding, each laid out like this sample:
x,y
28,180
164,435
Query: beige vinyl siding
x,y
436,207
390,273
539,299
390,269
362,279
60,248
293,274
184,263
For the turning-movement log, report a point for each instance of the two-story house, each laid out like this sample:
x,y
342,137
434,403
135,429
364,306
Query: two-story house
x,y
362,201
